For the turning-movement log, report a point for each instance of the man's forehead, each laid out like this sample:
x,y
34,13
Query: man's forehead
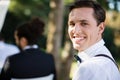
x,y
79,10
83,14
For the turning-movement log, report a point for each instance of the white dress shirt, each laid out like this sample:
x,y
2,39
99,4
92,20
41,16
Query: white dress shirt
x,y
96,68
35,46
5,51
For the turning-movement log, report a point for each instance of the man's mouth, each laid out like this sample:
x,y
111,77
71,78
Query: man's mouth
x,y
79,39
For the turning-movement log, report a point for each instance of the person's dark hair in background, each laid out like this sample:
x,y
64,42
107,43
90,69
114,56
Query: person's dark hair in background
x,y
31,30
31,62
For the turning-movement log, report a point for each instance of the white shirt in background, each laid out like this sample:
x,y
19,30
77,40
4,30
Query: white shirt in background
x,y
5,51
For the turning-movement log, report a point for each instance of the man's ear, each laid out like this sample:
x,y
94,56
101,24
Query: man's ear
x,y
101,27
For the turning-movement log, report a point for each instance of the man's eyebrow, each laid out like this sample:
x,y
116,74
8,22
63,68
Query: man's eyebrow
x,y
83,20
71,21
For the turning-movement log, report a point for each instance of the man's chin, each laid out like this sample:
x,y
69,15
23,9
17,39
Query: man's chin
x,y
76,47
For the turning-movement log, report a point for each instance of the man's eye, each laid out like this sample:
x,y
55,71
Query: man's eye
x,y
84,24
71,24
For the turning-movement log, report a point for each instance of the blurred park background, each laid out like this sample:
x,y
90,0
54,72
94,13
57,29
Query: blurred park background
x,y
55,39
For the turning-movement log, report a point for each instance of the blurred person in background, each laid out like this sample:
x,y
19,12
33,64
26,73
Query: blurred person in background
x,y
6,50
85,28
31,63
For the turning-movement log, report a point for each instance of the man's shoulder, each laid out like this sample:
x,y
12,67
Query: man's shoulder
x,y
95,63
45,53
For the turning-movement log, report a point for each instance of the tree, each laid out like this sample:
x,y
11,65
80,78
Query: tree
x,y
55,31
54,40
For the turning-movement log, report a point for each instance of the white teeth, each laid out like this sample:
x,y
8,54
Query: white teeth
x,y
80,38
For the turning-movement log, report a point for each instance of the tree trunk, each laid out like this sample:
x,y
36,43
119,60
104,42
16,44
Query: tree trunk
x,y
55,26
67,58
54,39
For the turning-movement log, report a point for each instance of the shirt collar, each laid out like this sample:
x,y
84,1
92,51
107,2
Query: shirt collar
x,y
91,51
31,46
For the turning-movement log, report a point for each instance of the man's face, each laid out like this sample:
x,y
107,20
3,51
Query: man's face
x,y
83,29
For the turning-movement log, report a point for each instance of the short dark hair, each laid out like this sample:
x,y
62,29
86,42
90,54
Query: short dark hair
x,y
99,12
31,30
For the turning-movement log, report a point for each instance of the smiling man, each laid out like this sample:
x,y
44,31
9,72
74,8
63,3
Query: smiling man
x,y
85,28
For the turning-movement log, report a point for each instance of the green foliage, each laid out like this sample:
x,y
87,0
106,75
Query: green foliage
x,y
66,2
104,3
109,42
30,8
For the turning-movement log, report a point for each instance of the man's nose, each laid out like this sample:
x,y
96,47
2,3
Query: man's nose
x,y
77,28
